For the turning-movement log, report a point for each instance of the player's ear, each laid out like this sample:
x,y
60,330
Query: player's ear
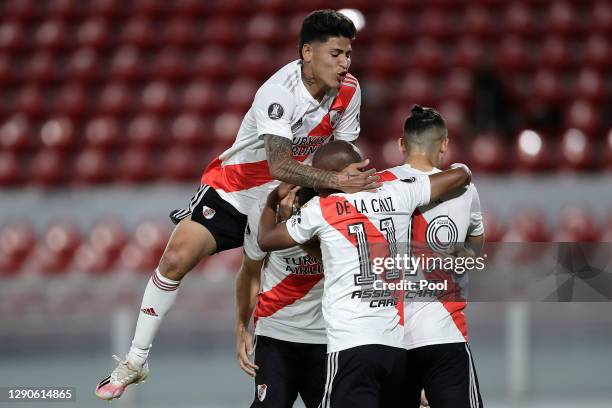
x,y
401,146
444,145
307,52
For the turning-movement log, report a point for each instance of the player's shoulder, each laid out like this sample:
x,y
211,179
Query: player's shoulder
x,y
286,78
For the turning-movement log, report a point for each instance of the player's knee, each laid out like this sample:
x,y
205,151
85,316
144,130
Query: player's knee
x,y
174,264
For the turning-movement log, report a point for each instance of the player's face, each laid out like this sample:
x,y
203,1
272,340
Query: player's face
x,y
331,60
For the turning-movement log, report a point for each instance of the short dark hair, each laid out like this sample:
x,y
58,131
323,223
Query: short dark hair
x,y
320,25
420,120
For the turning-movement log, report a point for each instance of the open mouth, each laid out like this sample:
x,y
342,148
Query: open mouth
x,y
341,76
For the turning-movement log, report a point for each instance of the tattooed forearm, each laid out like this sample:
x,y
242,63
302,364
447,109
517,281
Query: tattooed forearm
x,y
284,168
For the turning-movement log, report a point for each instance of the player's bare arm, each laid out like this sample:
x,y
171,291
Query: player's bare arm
x,y
273,236
247,286
449,180
476,243
283,167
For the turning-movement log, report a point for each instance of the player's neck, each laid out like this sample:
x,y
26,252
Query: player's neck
x,y
420,162
314,87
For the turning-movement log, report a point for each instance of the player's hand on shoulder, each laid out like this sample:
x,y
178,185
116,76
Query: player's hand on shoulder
x,y
464,167
353,178
244,349
287,204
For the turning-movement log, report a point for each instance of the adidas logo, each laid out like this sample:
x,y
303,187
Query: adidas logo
x,y
150,311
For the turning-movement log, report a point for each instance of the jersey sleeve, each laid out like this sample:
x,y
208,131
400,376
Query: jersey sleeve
x,y
273,108
304,225
415,191
348,127
251,248
476,226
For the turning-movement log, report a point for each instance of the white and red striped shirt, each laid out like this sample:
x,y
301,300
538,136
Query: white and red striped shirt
x,y
289,303
446,221
282,107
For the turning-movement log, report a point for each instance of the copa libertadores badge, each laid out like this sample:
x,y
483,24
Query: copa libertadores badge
x,y
275,111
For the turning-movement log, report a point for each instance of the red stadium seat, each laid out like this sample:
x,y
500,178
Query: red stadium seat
x,y
158,97
211,63
489,153
416,88
48,168
273,6
51,34
169,64
180,32
181,163
62,237
295,24
87,259
582,115
226,127
576,224
93,33
547,87
189,130
58,133
12,36
115,99
83,65
518,20
106,8
591,86
136,259
240,95
150,8
458,86
152,236
556,53
136,165
576,151
255,62
454,116
265,28
527,225
91,166
11,172
468,53
103,133
512,55
138,32
201,97
72,100
108,236
434,23
221,31
17,240
494,226
562,19
40,67
15,134
189,8
31,101
391,25
533,152
427,56
601,17
598,52
127,64
7,72
145,131
64,9
383,60
20,9
477,21
607,156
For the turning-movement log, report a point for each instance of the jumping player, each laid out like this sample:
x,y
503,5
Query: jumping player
x,y
439,358
294,112
364,331
289,326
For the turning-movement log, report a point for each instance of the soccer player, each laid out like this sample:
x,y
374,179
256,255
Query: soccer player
x,y
289,325
294,112
439,358
364,331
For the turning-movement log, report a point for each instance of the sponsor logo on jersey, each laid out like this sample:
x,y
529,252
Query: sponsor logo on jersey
x,y
149,311
261,392
334,116
409,180
275,111
208,212
441,233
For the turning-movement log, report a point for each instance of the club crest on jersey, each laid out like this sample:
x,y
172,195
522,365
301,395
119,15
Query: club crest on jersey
x,y
334,116
275,111
208,212
441,233
261,392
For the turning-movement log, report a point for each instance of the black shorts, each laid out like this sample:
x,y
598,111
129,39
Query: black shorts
x,y
287,369
447,374
225,223
367,376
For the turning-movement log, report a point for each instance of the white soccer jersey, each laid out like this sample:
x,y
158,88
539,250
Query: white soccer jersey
x,y
445,222
354,229
289,303
282,107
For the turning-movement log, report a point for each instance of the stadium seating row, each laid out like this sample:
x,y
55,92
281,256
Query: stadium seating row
x,y
108,247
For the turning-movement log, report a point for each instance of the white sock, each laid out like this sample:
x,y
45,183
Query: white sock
x,y
158,298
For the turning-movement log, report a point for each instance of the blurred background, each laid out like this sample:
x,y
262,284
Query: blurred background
x,y
110,110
